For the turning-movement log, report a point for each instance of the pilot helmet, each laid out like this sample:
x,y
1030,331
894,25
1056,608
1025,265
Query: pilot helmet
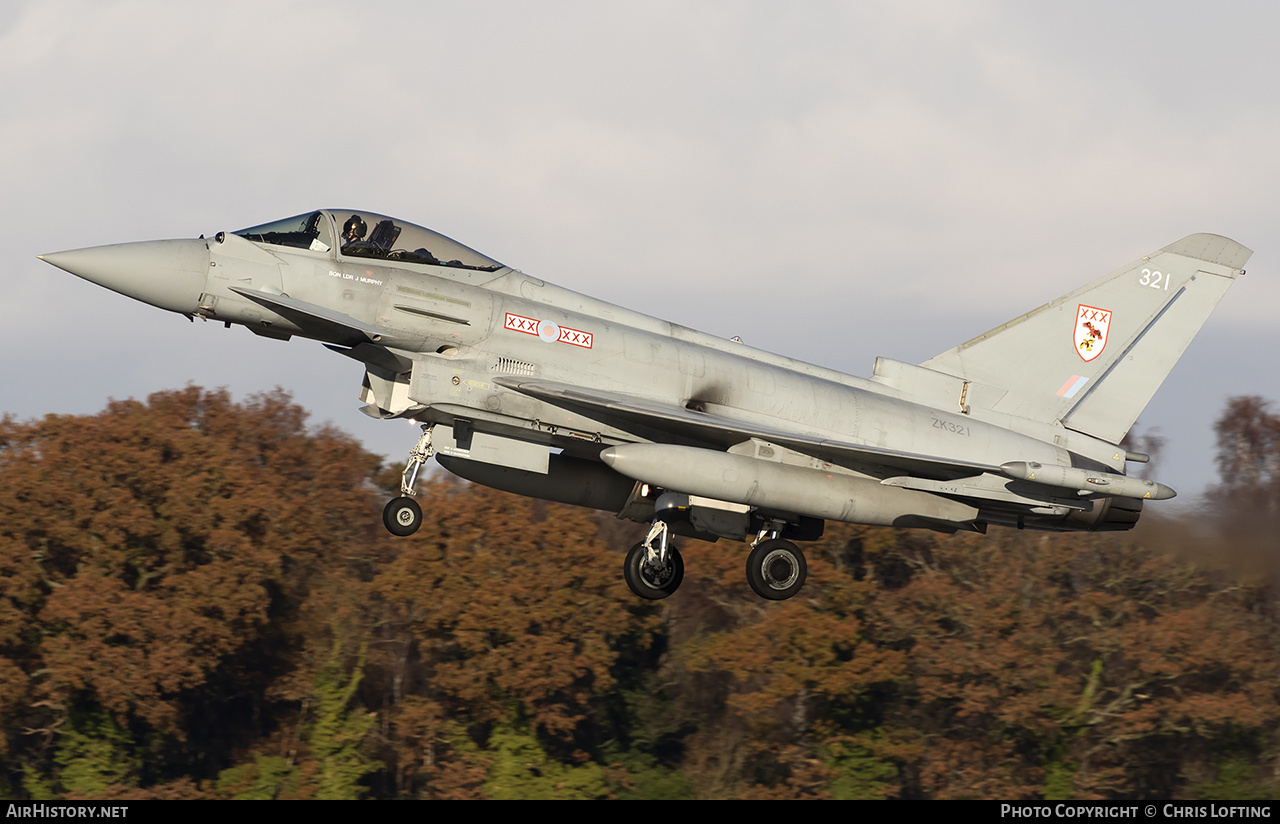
x,y
354,228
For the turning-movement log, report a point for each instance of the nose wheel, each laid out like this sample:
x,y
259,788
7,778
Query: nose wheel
x,y
402,516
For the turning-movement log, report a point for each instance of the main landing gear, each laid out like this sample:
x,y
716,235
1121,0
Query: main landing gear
x,y
776,569
653,568
402,516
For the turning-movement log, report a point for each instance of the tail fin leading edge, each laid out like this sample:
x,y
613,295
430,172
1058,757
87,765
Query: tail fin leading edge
x,y
1093,358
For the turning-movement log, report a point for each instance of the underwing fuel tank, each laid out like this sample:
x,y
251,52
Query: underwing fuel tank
x,y
776,486
1087,481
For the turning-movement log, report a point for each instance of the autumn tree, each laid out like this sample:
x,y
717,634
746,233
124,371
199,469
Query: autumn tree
x,y
1249,462
504,617
152,563
772,699
1071,667
197,600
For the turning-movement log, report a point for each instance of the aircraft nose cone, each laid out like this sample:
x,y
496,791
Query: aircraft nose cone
x,y
169,274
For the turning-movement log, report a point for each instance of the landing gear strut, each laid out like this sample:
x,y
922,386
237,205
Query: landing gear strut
x,y
402,516
654,571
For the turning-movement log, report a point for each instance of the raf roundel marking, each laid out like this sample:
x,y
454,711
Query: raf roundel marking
x,y
548,331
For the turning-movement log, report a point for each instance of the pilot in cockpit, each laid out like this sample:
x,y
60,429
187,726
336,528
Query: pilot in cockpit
x,y
353,230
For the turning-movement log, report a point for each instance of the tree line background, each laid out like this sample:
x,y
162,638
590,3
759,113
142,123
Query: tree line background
x,y
198,600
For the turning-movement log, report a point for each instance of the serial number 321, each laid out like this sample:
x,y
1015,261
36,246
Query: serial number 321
x,y
1154,280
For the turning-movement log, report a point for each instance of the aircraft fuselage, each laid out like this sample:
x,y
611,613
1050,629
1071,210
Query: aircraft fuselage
x,y
540,390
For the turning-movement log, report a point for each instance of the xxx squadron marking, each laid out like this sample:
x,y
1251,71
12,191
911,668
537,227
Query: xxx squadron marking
x,y
1090,334
547,331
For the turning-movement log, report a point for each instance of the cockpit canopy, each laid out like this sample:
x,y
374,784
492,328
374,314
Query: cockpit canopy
x,y
368,235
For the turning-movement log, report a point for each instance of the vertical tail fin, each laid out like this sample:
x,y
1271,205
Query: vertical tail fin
x,y
1093,358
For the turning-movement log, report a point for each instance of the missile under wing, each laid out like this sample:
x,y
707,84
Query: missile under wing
x,y
538,390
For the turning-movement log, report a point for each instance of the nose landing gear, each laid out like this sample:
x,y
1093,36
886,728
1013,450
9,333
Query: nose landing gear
x,y
402,516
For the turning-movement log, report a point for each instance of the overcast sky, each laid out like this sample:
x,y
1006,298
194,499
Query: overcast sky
x,y
829,180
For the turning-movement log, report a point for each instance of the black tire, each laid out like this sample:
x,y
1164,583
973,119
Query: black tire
x,y
776,569
402,516
647,582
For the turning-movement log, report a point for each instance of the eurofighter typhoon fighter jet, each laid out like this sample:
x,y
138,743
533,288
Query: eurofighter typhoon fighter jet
x,y
534,389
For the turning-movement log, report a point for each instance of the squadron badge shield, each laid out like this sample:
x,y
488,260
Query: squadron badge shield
x,y
1092,325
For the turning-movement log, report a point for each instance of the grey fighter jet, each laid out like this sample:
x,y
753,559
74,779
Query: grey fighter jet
x,y
534,389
